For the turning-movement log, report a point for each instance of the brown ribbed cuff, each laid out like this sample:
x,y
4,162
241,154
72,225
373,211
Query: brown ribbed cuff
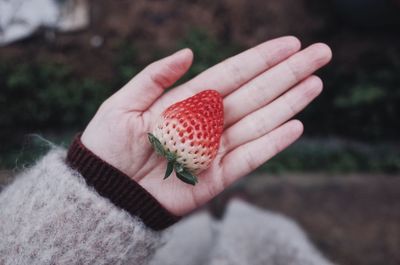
x,y
124,192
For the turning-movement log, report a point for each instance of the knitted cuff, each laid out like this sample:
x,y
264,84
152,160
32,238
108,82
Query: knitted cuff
x,y
124,192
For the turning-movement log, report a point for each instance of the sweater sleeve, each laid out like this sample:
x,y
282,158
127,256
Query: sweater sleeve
x,y
49,215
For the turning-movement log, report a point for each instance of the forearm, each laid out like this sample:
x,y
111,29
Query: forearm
x,y
49,215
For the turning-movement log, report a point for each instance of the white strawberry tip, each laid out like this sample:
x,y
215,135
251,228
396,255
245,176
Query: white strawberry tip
x,y
181,172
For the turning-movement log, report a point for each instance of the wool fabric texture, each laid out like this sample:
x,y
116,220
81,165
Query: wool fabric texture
x,y
50,215
113,184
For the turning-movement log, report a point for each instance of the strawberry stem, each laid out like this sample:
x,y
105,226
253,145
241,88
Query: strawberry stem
x,y
156,144
187,178
184,175
181,172
170,168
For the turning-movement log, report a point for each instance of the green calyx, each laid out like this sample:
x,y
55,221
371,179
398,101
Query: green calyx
x,y
181,172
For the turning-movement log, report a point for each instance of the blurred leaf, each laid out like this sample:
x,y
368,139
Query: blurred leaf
x,y
360,95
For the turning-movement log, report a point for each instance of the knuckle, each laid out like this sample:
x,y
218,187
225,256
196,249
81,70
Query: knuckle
x,y
163,74
259,125
257,98
289,105
292,70
262,56
273,144
159,78
225,143
214,190
250,161
233,71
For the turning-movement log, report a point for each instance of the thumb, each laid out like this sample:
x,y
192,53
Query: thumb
x,y
147,86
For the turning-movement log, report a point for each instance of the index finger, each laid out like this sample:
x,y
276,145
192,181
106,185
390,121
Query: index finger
x,y
235,71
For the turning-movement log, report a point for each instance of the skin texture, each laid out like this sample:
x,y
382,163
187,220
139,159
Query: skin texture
x,y
263,88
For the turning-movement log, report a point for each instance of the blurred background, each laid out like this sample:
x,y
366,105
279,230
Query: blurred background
x,y
59,59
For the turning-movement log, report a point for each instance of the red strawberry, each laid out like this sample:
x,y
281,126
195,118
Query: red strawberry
x,y
188,134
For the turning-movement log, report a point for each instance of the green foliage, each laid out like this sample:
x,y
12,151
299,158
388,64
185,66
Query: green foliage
x,y
126,63
360,103
361,94
22,151
207,50
41,96
46,96
336,156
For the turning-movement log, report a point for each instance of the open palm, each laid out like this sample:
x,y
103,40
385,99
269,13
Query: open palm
x,y
263,88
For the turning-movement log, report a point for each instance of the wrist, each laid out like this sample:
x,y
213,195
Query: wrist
x,y
113,184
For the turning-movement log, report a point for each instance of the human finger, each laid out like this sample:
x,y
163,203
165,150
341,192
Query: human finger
x,y
271,116
233,72
245,158
147,86
272,83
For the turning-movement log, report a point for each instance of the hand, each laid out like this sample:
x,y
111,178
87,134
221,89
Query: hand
x,y
263,88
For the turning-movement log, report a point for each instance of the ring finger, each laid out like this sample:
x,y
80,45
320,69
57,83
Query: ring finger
x,y
271,116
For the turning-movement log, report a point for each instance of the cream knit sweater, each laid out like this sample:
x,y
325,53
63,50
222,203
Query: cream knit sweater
x,y
49,215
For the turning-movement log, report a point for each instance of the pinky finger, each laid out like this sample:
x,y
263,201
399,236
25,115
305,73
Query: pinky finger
x,y
249,156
